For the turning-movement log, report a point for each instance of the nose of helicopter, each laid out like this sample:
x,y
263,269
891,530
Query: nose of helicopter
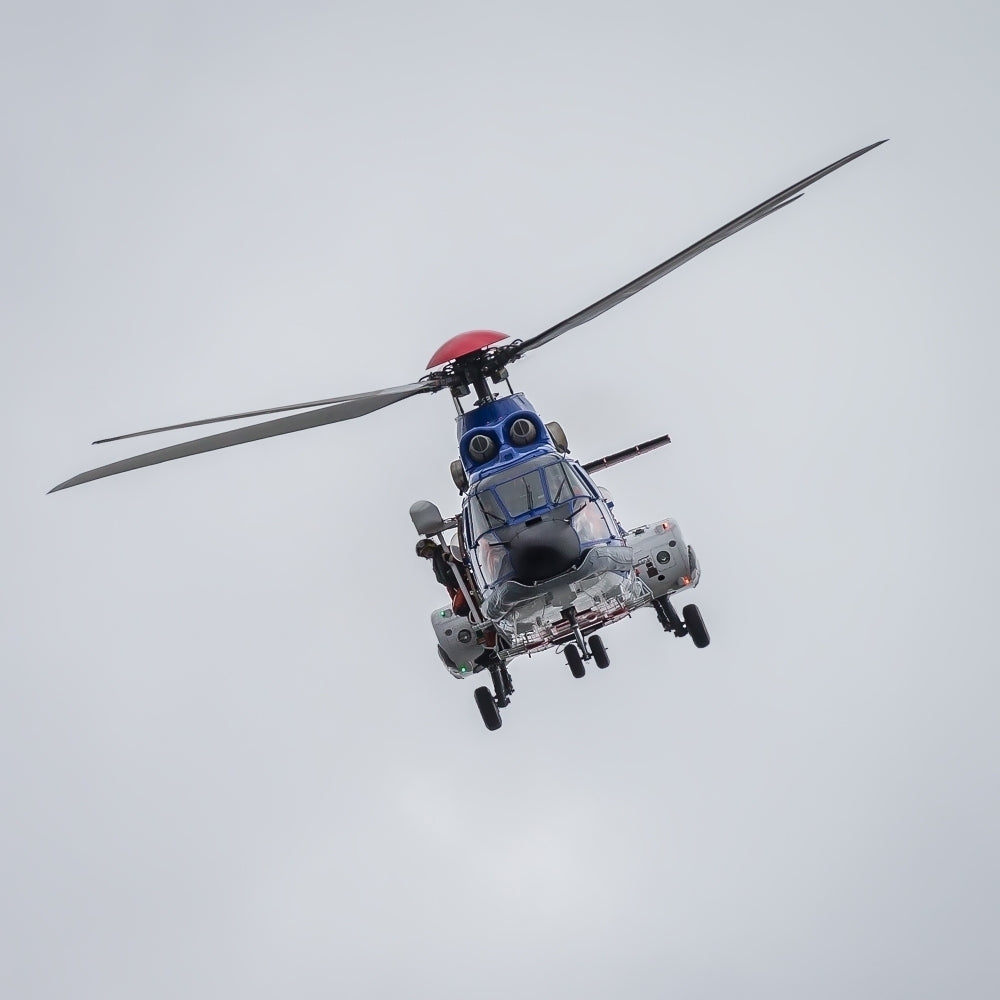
x,y
543,550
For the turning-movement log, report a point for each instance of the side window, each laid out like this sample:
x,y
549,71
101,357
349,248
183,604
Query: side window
x,y
494,560
590,524
467,539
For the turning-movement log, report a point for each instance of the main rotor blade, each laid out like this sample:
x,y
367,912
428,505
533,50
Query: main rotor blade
x,y
761,211
346,410
240,416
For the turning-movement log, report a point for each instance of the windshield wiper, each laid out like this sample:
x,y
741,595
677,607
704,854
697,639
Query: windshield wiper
x,y
562,486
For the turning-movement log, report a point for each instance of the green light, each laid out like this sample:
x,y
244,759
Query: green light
x,y
464,668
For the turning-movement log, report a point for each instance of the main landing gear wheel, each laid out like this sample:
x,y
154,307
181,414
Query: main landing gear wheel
x,y
695,625
488,708
692,623
601,658
575,660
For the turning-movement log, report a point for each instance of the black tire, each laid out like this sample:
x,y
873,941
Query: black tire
x,y
488,709
601,658
575,661
696,626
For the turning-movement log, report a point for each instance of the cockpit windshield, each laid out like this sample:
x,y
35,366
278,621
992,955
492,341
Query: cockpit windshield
x,y
563,482
520,496
504,498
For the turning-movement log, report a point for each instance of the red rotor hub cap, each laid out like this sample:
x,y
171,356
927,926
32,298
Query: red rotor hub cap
x,y
462,344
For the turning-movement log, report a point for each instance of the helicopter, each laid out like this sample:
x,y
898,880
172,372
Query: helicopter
x,y
537,557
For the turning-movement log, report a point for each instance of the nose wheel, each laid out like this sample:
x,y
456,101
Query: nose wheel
x,y
575,660
598,652
593,650
490,702
579,651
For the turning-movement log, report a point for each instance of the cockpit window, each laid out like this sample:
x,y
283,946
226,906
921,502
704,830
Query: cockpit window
x,y
520,496
545,487
542,484
589,523
563,483
486,513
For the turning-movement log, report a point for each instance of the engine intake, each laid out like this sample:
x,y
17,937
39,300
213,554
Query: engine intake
x,y
522,431
482,448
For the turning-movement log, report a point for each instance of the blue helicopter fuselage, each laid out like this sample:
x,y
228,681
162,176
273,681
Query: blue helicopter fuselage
x,y
495,419
531,516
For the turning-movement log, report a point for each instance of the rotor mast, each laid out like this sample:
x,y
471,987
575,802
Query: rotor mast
x,y
475,371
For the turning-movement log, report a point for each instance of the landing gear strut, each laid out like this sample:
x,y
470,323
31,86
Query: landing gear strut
x,y
502,684
579,651
490,702
691,624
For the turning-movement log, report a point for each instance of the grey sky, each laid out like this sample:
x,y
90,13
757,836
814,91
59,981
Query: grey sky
x,y
232,764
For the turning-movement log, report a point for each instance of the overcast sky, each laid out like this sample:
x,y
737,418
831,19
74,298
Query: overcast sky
x,y
232,764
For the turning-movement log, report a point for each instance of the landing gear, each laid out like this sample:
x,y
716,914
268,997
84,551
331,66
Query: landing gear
x,y
575,660
502,683
599,653
576,652
579,651
691,624
488,709
696,626
490,702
